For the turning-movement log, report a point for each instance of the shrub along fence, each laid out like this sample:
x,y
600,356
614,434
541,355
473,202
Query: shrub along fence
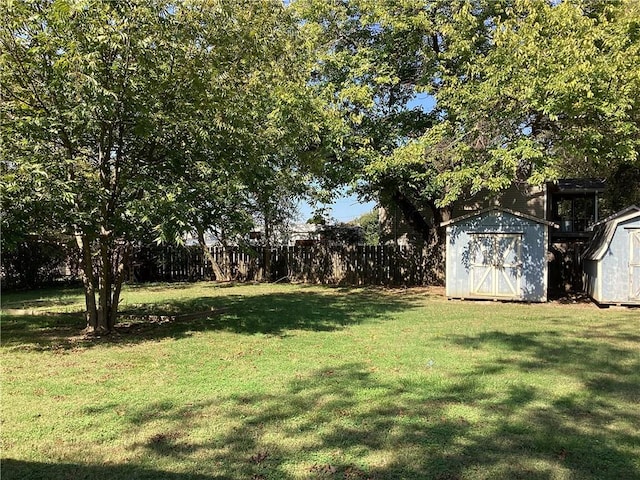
x,y
337,265
38,262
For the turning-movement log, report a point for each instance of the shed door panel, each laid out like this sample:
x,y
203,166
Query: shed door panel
x,y
634,265
482,265
495,265
508,250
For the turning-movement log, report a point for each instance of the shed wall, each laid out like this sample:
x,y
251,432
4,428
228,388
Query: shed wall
x,y
614,268
532,271
591,279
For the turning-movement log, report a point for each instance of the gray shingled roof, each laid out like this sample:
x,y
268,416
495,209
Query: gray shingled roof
x,y
604,230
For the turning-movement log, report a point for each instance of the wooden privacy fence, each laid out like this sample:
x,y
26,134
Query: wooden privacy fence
x,y
336,265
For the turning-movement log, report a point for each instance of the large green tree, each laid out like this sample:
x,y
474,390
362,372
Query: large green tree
x,y
552,90
519,90
117,115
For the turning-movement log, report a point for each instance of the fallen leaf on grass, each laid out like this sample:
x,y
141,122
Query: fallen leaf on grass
x,y
259,457
323,469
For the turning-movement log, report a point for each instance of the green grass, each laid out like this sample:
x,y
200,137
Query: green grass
x,y
295,382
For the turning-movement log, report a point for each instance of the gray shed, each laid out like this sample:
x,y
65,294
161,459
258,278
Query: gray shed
x,y
611,263
497,254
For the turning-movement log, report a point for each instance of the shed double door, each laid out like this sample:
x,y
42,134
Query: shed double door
x,y
496,265
634,264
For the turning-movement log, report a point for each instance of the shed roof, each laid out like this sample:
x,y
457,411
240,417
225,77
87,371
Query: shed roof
x,y
498,209
604,231
577,185
632,208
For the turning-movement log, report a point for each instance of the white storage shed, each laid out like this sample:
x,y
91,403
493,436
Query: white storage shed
x,y
611,263
497,254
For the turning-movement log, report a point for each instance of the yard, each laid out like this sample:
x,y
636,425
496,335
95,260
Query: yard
x,y
301,382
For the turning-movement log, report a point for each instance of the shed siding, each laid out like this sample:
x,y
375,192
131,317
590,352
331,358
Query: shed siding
x,y
533,268
610,278
615,266
591,279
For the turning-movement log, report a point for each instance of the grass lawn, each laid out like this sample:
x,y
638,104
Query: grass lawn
x,y
301,382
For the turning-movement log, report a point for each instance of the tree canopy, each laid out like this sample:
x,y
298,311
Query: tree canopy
x,y
522,91
125,118
121,118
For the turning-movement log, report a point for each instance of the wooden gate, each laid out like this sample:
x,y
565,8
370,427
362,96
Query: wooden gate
x,y
496,265
634,264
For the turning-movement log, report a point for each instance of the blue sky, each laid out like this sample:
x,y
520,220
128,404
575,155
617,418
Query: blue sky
x,y
347,207
423,100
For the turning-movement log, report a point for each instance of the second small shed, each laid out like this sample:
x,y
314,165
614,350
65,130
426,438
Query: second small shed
x,y
497,254
611,264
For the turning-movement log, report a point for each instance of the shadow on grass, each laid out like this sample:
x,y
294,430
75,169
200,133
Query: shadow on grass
x,y
29,470
344,422
43,297
347,422
268,314
609,368
55,331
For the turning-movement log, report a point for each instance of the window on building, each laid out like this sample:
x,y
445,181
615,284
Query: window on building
x,y
575,213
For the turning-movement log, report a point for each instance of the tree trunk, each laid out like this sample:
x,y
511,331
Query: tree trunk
x,y
266,255
117,286
413,216
88,281
226,262
438,247
217,271
105,282
101,315
267,250
432,233
440,215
